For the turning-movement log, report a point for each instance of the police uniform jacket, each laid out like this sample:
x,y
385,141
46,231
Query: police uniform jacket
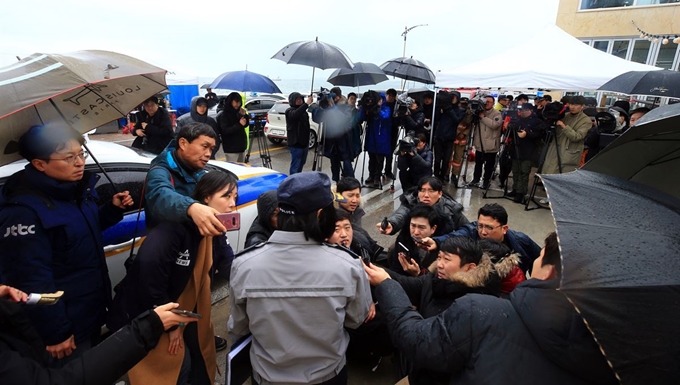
x,y
296,297
53,241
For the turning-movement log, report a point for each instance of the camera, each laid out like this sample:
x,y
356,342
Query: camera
x,y
477,104
606,122
324,94
552,112
407,144
369,102
403,104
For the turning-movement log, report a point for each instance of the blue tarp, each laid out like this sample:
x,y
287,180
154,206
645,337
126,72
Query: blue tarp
x,y
180,96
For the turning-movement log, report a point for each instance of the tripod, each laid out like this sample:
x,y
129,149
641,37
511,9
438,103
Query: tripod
x,y
262,144
318,152
502,154
400,135
550,136
362,155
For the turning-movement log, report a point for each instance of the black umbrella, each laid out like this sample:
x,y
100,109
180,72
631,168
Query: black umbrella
x,y
648,153
315,54
363,74
620,243
408,69
664,83
420,92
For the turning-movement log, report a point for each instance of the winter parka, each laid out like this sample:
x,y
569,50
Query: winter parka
x,y
53,241
234,134
298,129
535,338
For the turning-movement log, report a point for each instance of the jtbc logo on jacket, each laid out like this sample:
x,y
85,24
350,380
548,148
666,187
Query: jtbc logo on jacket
x,y
183,258
18,230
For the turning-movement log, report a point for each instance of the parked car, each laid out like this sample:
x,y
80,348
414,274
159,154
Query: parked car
x,y
259,105
128,167
275,128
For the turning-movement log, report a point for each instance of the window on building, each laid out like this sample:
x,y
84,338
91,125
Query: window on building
x,y
620,48
598,4
641,51
666,55
602,45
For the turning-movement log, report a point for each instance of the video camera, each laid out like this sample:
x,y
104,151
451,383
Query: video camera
x,y
402,105
324,94
408,143
477,104
369,102
552,112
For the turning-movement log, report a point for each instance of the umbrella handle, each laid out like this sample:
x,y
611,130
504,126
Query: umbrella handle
x,y
311,91
113,185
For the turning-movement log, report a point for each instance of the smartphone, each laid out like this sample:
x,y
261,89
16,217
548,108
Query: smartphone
x,y
186,313
417,240
384,223
232,221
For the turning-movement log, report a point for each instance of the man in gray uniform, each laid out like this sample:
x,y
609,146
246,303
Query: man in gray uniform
x,y
296,294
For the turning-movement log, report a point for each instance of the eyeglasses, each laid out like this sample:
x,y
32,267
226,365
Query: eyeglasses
x,y
481,227
71,159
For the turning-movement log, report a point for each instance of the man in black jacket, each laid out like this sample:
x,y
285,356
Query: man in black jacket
x,y
535,338
297,131
23,358
153,128
525,136
447,117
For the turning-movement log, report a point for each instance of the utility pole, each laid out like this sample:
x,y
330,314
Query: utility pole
x,y
404,34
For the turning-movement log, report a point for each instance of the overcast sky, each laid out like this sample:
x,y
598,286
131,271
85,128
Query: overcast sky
x,y
202,38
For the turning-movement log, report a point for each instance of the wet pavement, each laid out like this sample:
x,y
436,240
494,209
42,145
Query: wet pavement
x,y
378,204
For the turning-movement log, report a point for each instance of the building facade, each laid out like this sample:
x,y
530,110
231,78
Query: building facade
x,y
612,27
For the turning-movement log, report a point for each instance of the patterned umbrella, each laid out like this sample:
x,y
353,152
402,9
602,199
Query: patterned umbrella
x,y
84,90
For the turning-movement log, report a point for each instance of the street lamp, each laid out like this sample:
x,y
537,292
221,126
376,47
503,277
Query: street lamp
x,y
404,34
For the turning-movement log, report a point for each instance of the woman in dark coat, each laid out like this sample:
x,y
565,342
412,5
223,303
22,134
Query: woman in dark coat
x,y
233,128
153,128
173,264
24,360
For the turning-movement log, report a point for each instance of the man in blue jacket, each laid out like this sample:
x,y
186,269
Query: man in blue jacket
x,y
173,176
53,239
492,223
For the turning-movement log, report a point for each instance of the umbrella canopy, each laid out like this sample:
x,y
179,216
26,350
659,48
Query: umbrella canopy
x,y
648,153
408,69
245,81
419,92
84,89
620,242
315,54
363,74
664,83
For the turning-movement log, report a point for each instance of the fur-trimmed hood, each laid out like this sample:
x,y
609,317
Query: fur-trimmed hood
x,y
477,277
507,264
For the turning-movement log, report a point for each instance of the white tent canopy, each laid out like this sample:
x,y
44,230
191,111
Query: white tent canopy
x,y
553,60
